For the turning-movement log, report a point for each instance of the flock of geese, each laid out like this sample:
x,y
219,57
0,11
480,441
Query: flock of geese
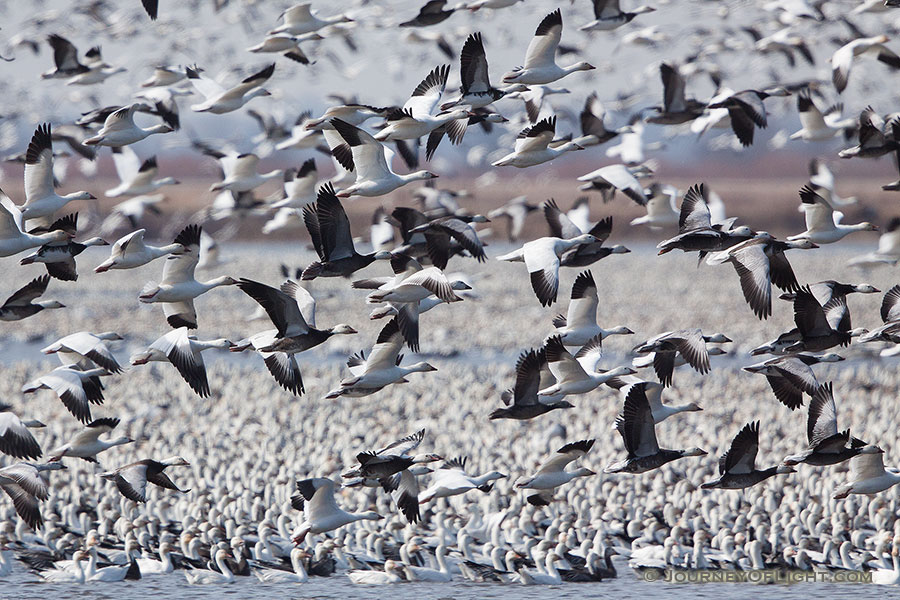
x,y
554,532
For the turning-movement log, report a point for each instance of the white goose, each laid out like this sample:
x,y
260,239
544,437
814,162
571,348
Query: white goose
x,y
219,100
64,576
439,575
367,157
300,189
136,178
540,58
183,351
119,128
553,474
203,577
75,388
13,238
533,146
372,577
822,222
87,444
287,45
580,323
321,511
816,125
41,199
541,258
130,252
842,59
241,175
577,374
15,439
86,349
452,480
178,287
299,19
26,485
661,209
551,577
868,475
278,576
150,566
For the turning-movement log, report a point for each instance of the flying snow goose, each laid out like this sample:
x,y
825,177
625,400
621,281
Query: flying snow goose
x,y
816,125
299,186
696,232
86,349
283,306
676,109
281,365
98,70
541,258
737,468
515,211
814,328
87,444
746,110
533,146
136,178
822,223
178,288
41,199
617,177
382,367
131,479
219,100
287,45
241,175
354,114
452,480
299,19
25,484
431,13
315,498
689,343
329,229
577,374
13,238
608,15
580,323
563,226
653,392
660,207
476,90
827,446
15,439
75,388
59,257
890,317
21,304
65,58
415,119
522,402
130,251
868,474
119,128
873,138
183,351
843,57
636,426
302,136
165,75
438,233
540,58
553,474
367,157
791,376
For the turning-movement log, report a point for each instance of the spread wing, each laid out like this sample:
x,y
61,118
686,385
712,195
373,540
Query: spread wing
x,y
542,48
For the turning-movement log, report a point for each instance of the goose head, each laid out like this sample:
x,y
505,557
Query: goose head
x,y
480,219
224,281
619,372
581,66
716,351
258,92
717,338
692,407
778,90
865,288
866,226
584,238
426,458
160,128
141,358
82,195
51,466
342,329
110,336
421,367
494,475
830,357
620,330
419,175
371,515
784,469
583,472
95,241
50,304
175,461
694,452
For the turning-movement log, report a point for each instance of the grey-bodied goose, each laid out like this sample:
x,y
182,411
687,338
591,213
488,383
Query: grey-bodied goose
x,y
746,111
522,402
696,232
582,255
737,467
791,376
676,109
25,484
59,257
636,426
827,446
22,303
814,327
689,343
131,480
608,15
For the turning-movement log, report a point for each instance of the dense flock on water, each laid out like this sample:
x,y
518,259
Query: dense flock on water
x,y
401,402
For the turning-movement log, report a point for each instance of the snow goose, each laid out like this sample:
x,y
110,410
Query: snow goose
x,y
653,392
873,140
59,257
843,57
65,58
382,367
476,90
63,576
827,446
551,577
164,76
533,146
438,233
278,576
136,178
580,323
119,128
737,470
608,15
431,13
299,19
219,100
522,402
354,114
696,232
746,110
86,349
98,70
791,376
21,304
178,288
315,498
578,374
814,328
890,317
302,137
283,306
287,45
183,351
372,577
562,226
241,175
636,426
130,251
299,187
660,207
816,125
13,238
868,474
541,258
150,566
329,229
822,223
553,474
367,157
15,439
540,58
415,119
204,577
759,262
41,199
87,444
440,575
689,343
452,480
616,177
515,211
131,479
281,365
75,388
676,109
24,483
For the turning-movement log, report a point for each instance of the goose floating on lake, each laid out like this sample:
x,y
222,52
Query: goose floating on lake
x,y
737,468
540,58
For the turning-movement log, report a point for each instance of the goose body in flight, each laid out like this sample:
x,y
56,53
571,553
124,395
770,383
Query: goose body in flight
x,y
183,351
41,199
75,388
15,439
553,474
737,467
241,174
540,59
119,128
533,146
25,484
65,58
874,140
453,480
136,178
791,376
822,223
580,323
827,446
689,343
21,304
676,109
86,349
868,474
817,125
577,374
131,480
300,19
522,401
59,257
843,58
87,444
220,100
130,252
476,90
322,514
608,15
563,226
